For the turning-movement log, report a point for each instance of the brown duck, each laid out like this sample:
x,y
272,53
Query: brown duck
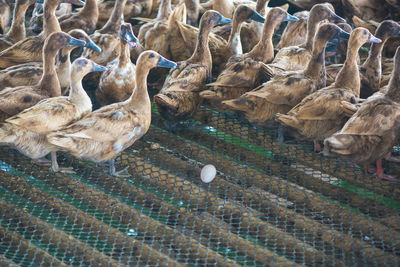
x,y
285,91
179,97
245,72
320,114
15,99
31,73
103,134
118,82
373,130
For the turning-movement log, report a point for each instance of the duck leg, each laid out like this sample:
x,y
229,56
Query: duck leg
x,y
122,173
56,168
381,175
390,157
42,162
281,138
317,146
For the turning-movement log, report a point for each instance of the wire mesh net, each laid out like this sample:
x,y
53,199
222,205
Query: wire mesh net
x,y
270,204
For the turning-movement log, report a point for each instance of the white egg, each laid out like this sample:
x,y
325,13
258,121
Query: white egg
x,y
208,173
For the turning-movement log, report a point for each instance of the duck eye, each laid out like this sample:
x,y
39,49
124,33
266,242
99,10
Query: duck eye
x,y
151,55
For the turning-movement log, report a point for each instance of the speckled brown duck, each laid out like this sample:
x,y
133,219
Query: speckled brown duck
x,y
85,19
118,82
31,73
15,99
245,72
373,130
179,98
17,30
5,16
320,114
371,69
103,134
284,91
296,57
30,49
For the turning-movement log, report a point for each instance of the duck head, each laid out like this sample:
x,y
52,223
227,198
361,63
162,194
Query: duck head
x,y
82,35
361,35
152,59
387,29
82,66
74,2
57,40
213,18
126,34
244,12
277,15
323,11
329,31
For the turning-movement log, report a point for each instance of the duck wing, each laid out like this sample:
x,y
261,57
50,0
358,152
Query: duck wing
x,y
15,100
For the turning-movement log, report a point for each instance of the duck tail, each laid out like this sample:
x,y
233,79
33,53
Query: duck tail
x,y
239,104
178,14
348,108
208,94
58,139
7,134
287,120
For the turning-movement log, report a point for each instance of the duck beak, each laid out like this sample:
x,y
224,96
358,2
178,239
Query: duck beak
x,y
290,18
257,17
224,20
97,67
131,39
165,63
40,1
373,39
336,19
90,44
343,35
74,2
75,42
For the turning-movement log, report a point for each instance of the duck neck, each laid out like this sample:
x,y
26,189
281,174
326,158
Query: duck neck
x,y
264,49
312,26
202,54
77,94
90,8
17,30
63,60
260,6
50,22
49,82
124,54
393,91
316,65
234,42
140,97
164,10
114,22
349,77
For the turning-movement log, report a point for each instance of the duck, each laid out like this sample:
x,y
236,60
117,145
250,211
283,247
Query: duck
x,y
178,99
154,34
225,7
27,130
295,32
31,73
85,19
222,50
5,16
107,37
320,114
369,135
284,91
17,30
193,12
30,49
117,83
296,57
15,99
243,73
104,133
106,8
371,70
